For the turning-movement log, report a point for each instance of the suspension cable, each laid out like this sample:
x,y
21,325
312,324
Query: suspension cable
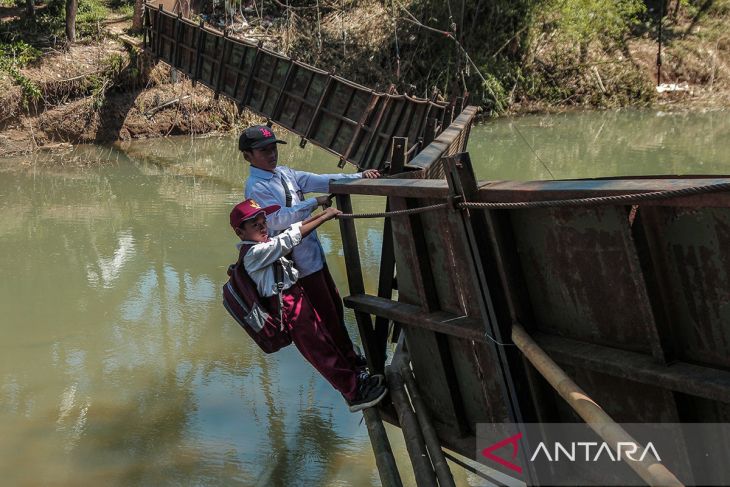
x,y
625,199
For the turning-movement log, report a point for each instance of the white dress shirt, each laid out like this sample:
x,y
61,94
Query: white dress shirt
x,y
267,188
260,258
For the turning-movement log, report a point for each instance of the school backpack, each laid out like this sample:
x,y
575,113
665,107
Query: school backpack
x,y
261,317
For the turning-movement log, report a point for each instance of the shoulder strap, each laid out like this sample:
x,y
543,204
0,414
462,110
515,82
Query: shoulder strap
x,y
278,277
242,253
287,191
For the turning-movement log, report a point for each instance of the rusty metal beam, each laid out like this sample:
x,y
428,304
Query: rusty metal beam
x,y
514,191
695,380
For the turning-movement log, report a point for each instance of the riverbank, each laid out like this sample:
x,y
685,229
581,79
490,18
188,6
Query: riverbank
x,y
103,89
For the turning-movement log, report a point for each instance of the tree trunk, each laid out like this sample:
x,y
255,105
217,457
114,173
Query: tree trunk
x,y
137,17
30,9
71,7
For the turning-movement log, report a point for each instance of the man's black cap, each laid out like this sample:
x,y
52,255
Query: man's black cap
x,y
257,137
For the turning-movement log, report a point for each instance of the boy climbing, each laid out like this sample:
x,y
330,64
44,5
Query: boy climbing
x,y
309,330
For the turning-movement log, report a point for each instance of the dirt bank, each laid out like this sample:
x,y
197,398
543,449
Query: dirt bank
x,y
106,90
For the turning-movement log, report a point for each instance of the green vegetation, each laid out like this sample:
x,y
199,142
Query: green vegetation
x,y
528,50
15,56
531,54
507,53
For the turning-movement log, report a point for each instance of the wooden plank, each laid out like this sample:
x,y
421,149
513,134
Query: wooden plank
x,y
407,188
199,49
413,316
357,285
385,282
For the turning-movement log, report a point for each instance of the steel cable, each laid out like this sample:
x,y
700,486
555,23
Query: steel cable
x,y
575,202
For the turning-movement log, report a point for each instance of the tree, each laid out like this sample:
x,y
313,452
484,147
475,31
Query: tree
x,y
30,9
137,17
71,7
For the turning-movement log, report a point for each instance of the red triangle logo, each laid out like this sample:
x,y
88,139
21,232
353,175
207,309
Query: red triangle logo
x,y
512,440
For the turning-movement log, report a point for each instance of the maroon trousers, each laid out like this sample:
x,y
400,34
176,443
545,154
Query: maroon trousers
x,y
323,294
317,330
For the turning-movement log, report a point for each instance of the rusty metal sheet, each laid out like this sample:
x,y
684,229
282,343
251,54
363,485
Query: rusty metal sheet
x,y
268,81
209,63
187,47
693,248
167,30
237,65
300,98
339,114
583,275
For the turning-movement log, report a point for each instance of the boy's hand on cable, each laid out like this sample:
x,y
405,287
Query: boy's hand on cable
x,y
330,213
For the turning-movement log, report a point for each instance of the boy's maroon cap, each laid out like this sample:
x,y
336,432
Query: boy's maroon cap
x,y
257,137
248,209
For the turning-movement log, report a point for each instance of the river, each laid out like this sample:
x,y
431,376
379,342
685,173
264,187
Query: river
x,y
118,364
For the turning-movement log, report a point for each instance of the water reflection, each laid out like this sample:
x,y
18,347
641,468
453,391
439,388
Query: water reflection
x,y
589,144
118,363
119,366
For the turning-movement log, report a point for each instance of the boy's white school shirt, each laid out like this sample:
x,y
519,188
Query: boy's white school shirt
x,y
267,188
260,258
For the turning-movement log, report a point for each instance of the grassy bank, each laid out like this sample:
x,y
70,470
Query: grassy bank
x,y
511,56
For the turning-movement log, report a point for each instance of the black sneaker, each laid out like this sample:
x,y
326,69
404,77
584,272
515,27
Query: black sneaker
x,y
369,393
364,375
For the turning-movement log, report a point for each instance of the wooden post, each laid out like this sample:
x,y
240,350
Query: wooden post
x,y
430,132
159,34
398,154
429,432
145,25
384,459
385,286
175,49
415,443
356,284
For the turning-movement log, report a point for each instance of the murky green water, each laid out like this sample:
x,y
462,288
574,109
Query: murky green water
x,y
119,366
